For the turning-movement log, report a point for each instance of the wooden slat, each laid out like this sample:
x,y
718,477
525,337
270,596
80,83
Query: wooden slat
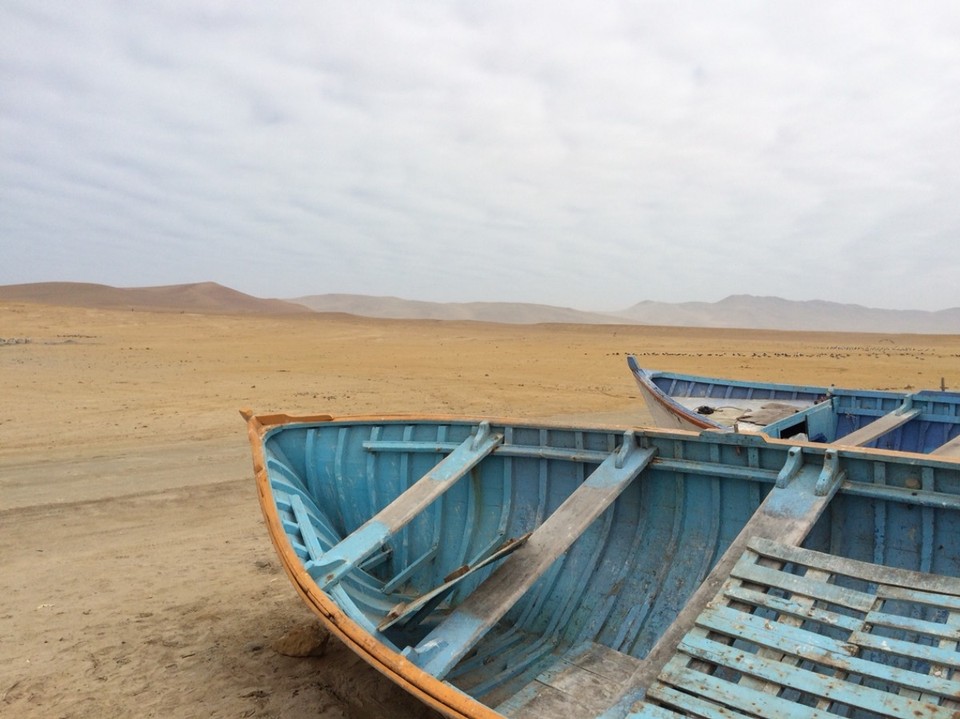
x,y
759,655
750,701
810,682
688,703
751,572
819,649
875,573
785,656
924,652
878,427
733,623
800,610
911,624
919,596
440,650
953,620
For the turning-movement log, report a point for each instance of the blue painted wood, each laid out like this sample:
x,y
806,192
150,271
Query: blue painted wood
x,y
793,640
442,648
628,575
802,680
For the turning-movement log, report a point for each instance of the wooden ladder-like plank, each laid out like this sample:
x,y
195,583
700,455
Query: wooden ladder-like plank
x,y
787,513
782,641
369,537
880,426
442,648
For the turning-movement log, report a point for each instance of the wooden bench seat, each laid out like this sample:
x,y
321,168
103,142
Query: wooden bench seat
x,y
879,427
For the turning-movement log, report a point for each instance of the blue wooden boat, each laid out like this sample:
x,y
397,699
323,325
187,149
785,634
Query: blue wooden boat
x,y
926,422
505,569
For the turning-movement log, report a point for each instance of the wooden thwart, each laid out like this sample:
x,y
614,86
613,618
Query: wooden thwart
x,y
440,650
879,427
948,449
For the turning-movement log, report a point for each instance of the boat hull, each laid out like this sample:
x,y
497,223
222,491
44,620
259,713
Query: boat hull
x,y
925,422
453,504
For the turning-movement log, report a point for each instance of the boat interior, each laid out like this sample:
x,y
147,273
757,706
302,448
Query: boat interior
x,y
927,421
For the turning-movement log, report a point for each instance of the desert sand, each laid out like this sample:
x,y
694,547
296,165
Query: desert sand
x,y
138,579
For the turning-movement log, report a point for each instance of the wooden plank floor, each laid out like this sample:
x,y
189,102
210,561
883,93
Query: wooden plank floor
x,y
584,682
800,633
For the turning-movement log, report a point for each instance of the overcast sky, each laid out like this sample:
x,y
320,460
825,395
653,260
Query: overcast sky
x,y
581,154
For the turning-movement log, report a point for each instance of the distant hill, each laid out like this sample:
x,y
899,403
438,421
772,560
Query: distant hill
x,y
736,311
750,312
503,312
203,297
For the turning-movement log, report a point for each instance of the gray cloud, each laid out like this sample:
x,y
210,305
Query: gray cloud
x,y
556,153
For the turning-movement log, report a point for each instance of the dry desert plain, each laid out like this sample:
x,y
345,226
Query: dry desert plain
x,y
137,578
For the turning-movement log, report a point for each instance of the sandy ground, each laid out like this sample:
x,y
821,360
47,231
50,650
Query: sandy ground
x,y
137,578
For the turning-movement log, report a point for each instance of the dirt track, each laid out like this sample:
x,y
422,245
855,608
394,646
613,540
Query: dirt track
x,y
138,580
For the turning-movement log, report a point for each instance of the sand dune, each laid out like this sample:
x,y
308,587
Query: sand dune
x,y
197,297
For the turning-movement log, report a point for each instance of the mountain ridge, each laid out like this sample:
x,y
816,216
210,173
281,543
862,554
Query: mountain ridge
x,y
385,307
733,312
766,312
